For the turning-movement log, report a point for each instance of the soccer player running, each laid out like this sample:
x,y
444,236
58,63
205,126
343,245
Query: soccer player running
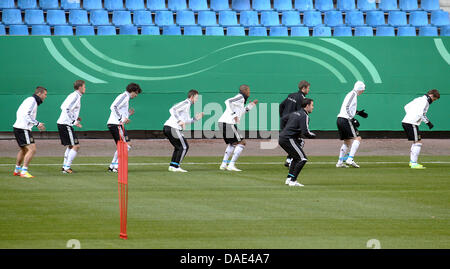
x,y
235,109
70,110
120,115
416,111
25,120
296,126
293,103
348,126
180,115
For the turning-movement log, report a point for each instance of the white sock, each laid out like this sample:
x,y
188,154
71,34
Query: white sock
x,y
415,151
71,157
17,170
66,156
228,153
114,162
342,153
237,151
353,149
24,169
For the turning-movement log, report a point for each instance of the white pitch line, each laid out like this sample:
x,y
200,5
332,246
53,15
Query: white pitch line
x,y
253,163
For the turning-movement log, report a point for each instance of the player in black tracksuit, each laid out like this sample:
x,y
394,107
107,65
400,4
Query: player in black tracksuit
x,y
293,103
296,126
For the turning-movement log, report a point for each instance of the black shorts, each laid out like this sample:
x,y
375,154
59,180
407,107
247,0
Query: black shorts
x,y
114,130
294,147
67,135
23,137
412,131
346,129
230,133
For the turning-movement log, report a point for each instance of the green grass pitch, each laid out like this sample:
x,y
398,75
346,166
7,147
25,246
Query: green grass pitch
x,y
209,208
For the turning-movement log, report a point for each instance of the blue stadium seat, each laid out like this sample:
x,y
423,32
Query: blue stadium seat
x,y
112,5
156,5
84,30
304,5
418,18
439,18
193,30
261,5
92,4
27,4
106,30
142,17
164,18
291,18
150,30
34,16
299,31
40,30
257,31
214,30
346,5
354,18
397,18
312,18
133,5
388,5
177,5
270,18
121,17
78,17
321,31
99,17
249,18
207,18
375,18
428,31
406,31
363,31
445,30
333,18
430,5
49,4
2,29
63,30
185,17
324,5
171,30
128,30
228,18
56,17
282,5
385,31
240,5
408,5
342,31
18,29
218,5
278,31
12,16
236,31
70,4
197,5
366,5
7,4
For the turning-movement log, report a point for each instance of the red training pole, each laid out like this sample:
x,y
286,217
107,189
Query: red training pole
x,y
122,150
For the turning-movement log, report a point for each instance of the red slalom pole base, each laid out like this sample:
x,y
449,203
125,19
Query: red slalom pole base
x,y
123,236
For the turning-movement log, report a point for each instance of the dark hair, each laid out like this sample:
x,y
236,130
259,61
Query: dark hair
x,y
192,93
40,89
303,84
243,87
435,93
133,87
77,84
306,102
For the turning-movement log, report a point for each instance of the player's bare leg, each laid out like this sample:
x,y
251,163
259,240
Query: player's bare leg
x,y
30,151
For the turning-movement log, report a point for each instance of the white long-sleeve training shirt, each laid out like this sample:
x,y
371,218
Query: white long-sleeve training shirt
x,y
119,109
26,114
348,107
180,112
70,109
416,111
235,108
